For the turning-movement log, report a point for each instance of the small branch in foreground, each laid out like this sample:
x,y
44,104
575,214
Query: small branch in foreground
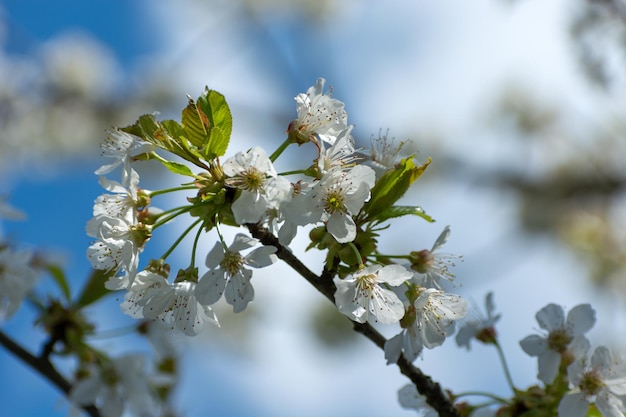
x,y
44,368
435,396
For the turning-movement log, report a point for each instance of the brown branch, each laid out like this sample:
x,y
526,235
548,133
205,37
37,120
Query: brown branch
x,y
435,396
44,368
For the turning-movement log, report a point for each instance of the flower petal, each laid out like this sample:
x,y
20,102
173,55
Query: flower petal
x,y
551,317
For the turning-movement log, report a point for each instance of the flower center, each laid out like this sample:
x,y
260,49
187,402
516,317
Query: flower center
x,y
232,262
422,261
591,383
251,179
334,201
559,340
366,283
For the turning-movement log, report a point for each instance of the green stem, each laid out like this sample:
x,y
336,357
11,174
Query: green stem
x,y
280,150
173,189
158,157
175,213
482,394
357,254
297,171
195,246
507,373
380,255
219,233
180,238
109,334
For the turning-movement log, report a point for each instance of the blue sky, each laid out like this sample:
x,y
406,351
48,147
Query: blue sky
x,y
58,201
116,23
442,66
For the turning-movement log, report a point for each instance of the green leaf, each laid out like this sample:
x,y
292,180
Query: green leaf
x,y
173,128
59,277
178,168
220,121
399,211
196,125
137,129
94,288
392,185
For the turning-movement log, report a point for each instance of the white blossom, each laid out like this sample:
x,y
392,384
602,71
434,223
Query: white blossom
x,y
340,155
252,172
564,337
336,198
319,116
409,398
602,381
384,154
362,296
431,319
277,218
175,305
227,274
117,248
478,325
123,202
121,386
17,278
120,235
7,211
121,147
431,266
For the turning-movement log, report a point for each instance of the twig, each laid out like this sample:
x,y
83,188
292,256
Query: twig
x,y
435,396
44,368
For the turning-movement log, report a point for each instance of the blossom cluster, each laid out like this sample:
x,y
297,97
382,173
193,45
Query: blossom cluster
x,y
595,378
332,192
340,196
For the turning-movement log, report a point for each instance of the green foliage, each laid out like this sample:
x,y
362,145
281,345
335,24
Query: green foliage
x,y
177,168
220,121
202,135
399,211
94,288
392,186
59,278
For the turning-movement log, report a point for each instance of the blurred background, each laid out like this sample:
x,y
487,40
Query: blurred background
x,y
519,103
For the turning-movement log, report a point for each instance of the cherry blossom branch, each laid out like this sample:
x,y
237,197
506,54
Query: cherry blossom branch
x,y
44,368
324,284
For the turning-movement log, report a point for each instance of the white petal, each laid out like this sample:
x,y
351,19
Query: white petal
x,y
393,348
601,358
112,403
413,345
442,239
580,319
534,345
386,306
86,390
249,207
609,405
215,256
242,242
551,317
394,275
346,300
239,291
211,287
342,227
410,398
573,405
549,362
261,257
